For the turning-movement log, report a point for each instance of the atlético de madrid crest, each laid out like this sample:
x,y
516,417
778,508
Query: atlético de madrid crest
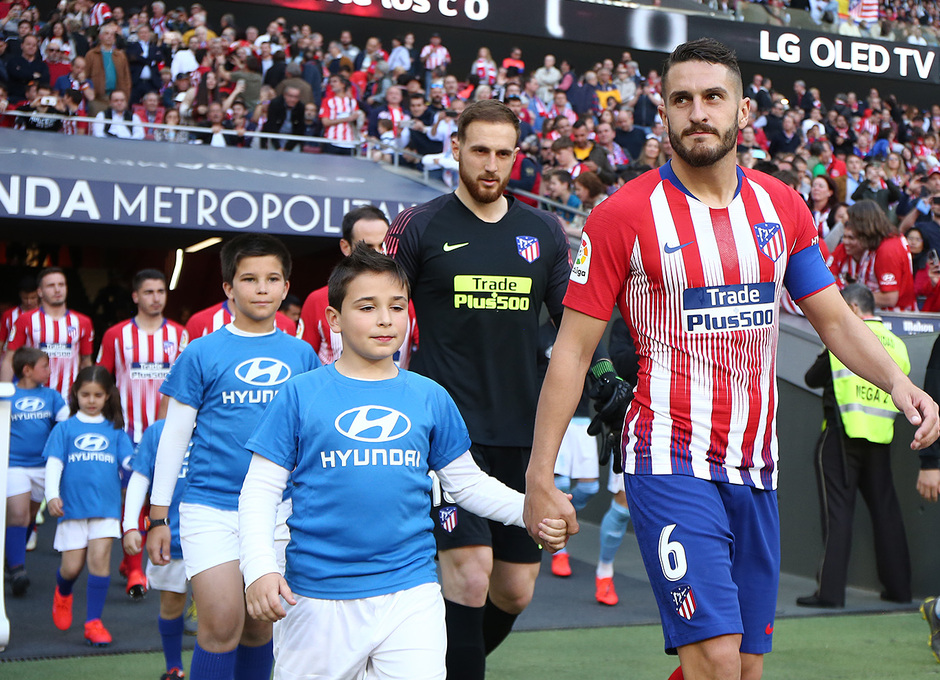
x,y
448,518
770,239
528,247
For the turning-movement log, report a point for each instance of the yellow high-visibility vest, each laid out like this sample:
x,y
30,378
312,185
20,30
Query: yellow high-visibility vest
x,y
867,411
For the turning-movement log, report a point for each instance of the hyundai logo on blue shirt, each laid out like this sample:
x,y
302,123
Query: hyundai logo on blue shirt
x,y
263,372
91,443
29,404
373,424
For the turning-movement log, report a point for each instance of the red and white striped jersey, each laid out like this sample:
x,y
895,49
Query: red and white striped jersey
x,y
139,362
700,288
6,323
432,57
213,318
485,69
339,107
100,14
329,345
65,340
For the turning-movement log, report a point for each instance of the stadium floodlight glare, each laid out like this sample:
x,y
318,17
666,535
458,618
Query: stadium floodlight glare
x,y
177,269
202,245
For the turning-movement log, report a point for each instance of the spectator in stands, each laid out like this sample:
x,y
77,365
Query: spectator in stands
x,y
921,264
294,78
56,59
75,79
547,76
171,117
854,176
285,116
399,59
247,70
341,117
415,137
514,60
484,68
627,135
788,139
563,153
652,153
433,56
590,190
873,253
877,188
117,120
150,111
592,157
646,107
107,69
624,83
822,199
605,139
143,60
25,67
45,102
211,129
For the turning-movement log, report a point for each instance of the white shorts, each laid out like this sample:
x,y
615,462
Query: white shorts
x,y
74,534
577,455
399,635
614,482
167,577
31,480
209,536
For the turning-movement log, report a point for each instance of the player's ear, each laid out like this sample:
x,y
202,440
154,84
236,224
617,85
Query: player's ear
x,y
333,319
227,289
455,147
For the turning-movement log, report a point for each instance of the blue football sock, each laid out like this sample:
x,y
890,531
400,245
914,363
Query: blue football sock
x,y
63,584
171,632
613,527
254,663
563,483
212,666
96,593
16,546
582,493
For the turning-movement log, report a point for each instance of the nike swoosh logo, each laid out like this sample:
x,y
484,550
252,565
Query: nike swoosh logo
x,y
672,249
448,247
769,629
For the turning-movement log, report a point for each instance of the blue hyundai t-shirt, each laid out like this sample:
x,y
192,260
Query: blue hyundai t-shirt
x,y
92,454
31,421
145,458
359,453
230,379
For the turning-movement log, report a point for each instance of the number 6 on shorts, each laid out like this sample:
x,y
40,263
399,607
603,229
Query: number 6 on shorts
x,y
671,555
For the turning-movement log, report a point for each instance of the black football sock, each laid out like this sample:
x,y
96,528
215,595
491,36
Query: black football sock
x,y
466,659
497,624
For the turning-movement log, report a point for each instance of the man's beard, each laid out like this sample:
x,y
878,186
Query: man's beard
x,y
700,155
479,193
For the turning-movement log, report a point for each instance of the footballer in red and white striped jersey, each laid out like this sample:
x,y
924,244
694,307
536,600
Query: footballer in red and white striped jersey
x,y
328,344
700,289
29,300
67,340
340,106
140,362
213,318
65,336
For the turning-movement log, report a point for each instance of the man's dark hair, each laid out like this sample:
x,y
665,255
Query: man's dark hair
x,y
25,356
861,295
291,300
562,176
562,143
513,98
27,284
362,260
363,212
252,245
146,275
578,124
708,50
43,273
486,111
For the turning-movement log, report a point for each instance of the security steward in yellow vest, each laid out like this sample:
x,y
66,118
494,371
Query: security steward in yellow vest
x,y
853,455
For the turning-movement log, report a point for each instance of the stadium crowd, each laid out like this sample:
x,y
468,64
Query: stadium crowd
x,y
582,135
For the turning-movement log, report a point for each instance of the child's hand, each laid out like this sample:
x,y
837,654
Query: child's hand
x,y
55,508
132,542
554,534
263,598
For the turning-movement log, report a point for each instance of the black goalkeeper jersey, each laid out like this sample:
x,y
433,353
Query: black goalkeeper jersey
x,y
478,289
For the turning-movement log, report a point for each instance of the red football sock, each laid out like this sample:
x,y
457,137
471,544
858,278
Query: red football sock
x,y
676,674
133,562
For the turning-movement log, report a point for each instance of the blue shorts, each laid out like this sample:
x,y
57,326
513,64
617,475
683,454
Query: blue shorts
x,y
712,553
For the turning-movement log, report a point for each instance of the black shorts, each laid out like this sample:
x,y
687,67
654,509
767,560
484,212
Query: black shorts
x,y
510,544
